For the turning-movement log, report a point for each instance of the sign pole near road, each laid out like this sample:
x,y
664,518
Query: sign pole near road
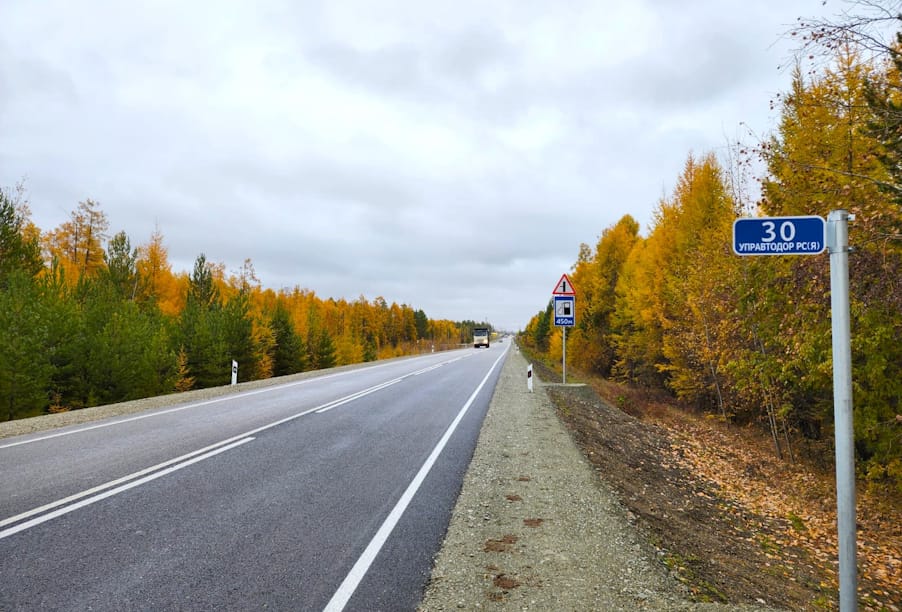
x,y
564,313
564,356
810,236
838,245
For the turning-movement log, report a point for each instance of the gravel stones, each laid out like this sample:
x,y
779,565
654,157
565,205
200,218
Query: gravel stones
x,y
535,529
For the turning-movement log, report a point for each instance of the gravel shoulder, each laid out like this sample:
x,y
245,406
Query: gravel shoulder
x,y
535,528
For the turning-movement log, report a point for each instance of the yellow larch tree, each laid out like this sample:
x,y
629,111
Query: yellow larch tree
x,y
156,281
77,244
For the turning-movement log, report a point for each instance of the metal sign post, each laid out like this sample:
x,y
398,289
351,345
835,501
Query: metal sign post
x,y
564,314
810,235
564,357
838,246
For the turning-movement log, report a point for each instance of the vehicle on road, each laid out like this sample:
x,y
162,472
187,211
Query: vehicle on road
x,y
481,337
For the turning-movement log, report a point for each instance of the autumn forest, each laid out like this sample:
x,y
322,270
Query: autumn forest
x,y
87,317
83,324
748,339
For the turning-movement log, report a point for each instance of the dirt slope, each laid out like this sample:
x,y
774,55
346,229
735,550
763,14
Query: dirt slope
x,y
733,521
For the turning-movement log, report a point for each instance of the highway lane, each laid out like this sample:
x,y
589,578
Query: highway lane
x,y
101,452
264,499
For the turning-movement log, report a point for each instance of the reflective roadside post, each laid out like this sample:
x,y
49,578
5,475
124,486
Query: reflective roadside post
x,y
529,378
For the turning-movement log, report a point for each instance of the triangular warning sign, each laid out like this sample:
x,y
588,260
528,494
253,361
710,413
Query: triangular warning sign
x,y
564,286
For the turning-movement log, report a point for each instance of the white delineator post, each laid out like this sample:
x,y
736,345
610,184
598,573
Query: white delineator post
x,y
838,246
529,378
234,372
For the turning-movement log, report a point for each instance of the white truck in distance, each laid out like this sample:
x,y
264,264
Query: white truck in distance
x,y
481,337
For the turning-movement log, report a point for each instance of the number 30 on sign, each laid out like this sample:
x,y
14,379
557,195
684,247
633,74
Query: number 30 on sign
x,y
779,236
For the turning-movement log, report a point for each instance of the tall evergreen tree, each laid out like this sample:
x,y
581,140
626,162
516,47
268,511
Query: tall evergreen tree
x,y
121,261
17,250
202,290
25,366
237,329
290,355
321,349
421,322
201,333
66,341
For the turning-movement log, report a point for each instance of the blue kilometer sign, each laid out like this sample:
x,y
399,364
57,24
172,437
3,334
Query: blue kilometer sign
x,y
779,236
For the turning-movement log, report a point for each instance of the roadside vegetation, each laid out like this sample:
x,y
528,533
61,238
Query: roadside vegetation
x,y
748,339
88,319
716,370
729,519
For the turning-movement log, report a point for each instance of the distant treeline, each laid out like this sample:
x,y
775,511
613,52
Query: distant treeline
x,y
749,338
86,319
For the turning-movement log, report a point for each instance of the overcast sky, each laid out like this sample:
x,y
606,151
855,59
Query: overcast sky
x,y
447,154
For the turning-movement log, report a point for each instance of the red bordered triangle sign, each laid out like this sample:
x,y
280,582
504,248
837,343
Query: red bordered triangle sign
x,y
564,286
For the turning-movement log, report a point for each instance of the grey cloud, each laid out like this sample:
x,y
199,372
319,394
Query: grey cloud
x,y
469,53
449,72
692,71
504,147
391,71
39,82
315,180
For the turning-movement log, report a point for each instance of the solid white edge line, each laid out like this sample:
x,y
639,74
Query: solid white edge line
x,y
86,502
355,576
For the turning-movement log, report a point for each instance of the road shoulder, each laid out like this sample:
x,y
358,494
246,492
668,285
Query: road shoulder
x,y
535,529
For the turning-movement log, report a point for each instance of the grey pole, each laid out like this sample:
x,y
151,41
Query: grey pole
x,y
838,246
564,351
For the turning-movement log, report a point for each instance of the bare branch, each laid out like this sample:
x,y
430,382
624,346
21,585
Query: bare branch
x,y
868,25
891,186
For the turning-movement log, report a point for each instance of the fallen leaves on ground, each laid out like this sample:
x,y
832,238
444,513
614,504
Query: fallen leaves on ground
x,y
730,519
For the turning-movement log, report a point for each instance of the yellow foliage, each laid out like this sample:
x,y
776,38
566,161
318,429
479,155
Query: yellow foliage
x,y
157,283
77,244
264,344
555,345
348,350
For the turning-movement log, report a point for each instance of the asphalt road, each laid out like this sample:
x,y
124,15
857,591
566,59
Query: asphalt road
x,y
328,493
